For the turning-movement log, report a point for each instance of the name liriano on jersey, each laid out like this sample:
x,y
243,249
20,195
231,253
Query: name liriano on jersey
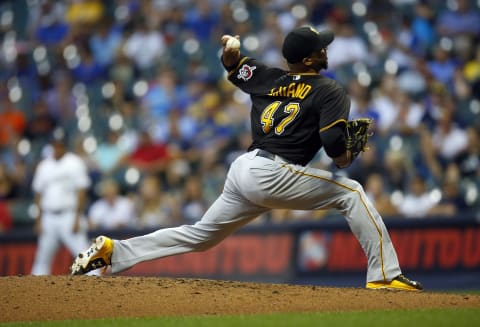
x,y
289,110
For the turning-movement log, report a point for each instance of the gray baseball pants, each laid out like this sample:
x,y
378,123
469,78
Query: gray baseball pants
x,y
255,185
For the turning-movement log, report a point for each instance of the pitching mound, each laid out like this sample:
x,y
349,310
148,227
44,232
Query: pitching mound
x,y
32,298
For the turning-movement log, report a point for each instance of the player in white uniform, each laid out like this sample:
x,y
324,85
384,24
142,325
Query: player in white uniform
x,y
294,114
60,183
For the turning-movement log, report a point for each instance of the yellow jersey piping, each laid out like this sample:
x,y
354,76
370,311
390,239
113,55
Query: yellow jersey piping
x,y
332,124
238,65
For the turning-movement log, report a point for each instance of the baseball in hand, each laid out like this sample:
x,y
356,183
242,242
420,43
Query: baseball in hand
x,y
233,43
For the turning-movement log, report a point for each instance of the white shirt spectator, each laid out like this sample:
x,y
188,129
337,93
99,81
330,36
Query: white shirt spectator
x,y
418,202
414,206
144,48
112,214
346,48
452,143
59,181
387,111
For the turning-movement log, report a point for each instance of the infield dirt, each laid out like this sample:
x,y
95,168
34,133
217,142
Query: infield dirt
x,y
29,298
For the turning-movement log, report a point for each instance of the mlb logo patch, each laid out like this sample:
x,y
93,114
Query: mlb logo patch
x,y
246,72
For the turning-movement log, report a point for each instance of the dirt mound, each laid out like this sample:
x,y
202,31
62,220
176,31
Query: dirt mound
x,y
29,298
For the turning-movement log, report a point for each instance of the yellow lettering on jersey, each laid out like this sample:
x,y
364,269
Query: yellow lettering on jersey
x,y
293,90
302,90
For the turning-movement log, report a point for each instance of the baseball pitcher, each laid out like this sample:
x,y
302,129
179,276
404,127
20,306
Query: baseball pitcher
x,y
294,113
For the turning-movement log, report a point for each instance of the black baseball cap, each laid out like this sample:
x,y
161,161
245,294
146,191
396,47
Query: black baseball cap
x,y
302,41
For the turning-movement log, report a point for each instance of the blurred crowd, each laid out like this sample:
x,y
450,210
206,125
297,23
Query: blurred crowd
x,y
139,86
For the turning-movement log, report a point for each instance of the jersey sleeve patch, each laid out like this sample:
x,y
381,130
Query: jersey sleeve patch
x,y
246,72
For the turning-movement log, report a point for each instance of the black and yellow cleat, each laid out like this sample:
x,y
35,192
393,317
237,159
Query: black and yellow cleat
x,y
398,283
98,255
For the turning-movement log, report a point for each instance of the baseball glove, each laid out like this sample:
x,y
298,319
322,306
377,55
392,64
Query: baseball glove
x,y
356,135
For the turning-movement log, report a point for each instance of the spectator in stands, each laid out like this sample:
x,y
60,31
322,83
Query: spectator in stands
x,y
109,154
60,99
418,201
366,164
47,22
348,47
105,42
381,199
8,186
423,29
384,102
155,209
214,125
453,200
402,43
83,14
112,210
461,89
162,96
12,122
461,19
123,72
442,66
397,169
88,70
410,115
449,140
40,125
361,105
201,20
471,69
469,160
149,157
144,46
193,202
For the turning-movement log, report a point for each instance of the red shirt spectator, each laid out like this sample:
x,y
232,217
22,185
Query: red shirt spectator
x,y
12,122
149,156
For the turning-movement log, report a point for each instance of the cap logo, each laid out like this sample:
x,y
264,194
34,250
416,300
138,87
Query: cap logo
x,y
246,72
313,30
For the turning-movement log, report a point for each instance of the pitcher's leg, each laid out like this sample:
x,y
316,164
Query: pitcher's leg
x,y
319,189
369,228
220,220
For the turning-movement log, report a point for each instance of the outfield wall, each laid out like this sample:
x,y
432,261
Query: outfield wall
x,y
442,253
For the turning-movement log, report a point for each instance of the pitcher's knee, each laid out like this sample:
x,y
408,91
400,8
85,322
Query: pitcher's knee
x,y
355,186
352,197
204,237
203,246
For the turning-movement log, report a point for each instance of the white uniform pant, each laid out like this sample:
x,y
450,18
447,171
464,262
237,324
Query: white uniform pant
x,y
255,185
57,230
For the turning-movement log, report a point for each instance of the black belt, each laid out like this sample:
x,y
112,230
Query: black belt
x,y
58,211
265,154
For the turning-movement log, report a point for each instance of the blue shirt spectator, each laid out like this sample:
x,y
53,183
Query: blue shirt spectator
x,y
105,43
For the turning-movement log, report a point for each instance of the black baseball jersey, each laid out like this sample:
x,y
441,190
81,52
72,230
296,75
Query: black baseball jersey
x,y
289,110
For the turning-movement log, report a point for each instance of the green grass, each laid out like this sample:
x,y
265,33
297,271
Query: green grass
x,y
423,318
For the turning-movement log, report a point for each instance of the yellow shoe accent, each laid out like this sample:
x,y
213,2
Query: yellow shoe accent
x,y
98,255
398,283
